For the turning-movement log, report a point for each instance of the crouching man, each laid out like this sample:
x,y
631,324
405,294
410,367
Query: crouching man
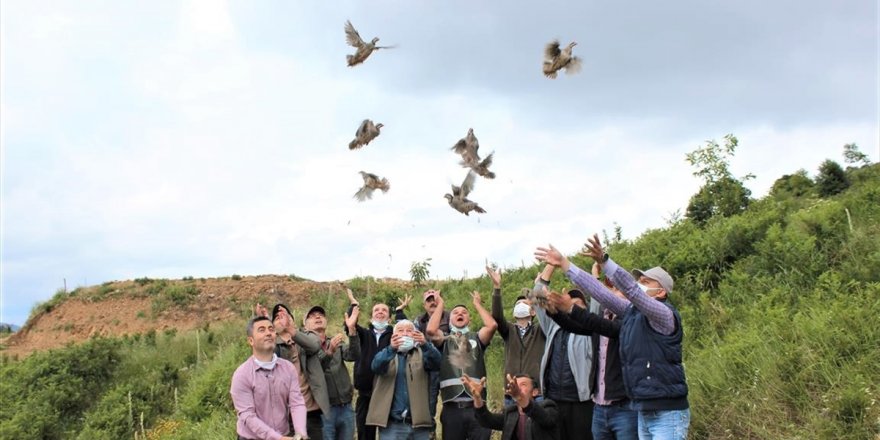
x,y
266,391
399,405
526,419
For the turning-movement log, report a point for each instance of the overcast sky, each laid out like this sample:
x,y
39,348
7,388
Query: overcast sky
x,y
208,138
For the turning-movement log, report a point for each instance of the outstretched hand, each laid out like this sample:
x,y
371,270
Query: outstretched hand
x,y
474,388
260,310
551,256
351,298
558,302
593,248
495,276
405,302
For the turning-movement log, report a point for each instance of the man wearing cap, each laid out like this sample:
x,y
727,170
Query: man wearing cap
x,y
373,338
523,340
339,425
568,367
650,339
303,349
463,354
399,406
265,389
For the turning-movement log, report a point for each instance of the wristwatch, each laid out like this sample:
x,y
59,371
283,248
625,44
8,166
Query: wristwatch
x,y
605,257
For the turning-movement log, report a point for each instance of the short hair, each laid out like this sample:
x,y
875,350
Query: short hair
x,y
459,305
529,376
403,322
254,320
521,297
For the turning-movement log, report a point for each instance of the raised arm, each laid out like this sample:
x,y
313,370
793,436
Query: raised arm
x,y
489,324
497,307
433,329
541,283
352,351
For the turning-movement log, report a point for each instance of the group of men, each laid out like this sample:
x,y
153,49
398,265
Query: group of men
x,y
605,368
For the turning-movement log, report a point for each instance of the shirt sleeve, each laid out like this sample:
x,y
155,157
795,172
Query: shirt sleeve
x,y
546,323
597,290
498,314
297,405
381,360
245,407
430,357
659,316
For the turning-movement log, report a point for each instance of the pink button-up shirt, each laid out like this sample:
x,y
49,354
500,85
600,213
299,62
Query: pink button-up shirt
x,y
262,399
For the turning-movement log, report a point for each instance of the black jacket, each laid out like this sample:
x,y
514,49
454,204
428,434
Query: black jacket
x,y
541,420
363,374
582,322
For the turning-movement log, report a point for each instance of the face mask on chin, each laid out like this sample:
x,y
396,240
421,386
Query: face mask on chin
x,y
461,330
268,365
379,325
522,310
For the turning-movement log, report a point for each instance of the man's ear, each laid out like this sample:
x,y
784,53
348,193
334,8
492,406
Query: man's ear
x,y
662,294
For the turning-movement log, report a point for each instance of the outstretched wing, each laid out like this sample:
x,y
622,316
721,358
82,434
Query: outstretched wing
x,y
459,146
365,126
552,49
468,185
573,66
369,178
487,162
393,46
351,36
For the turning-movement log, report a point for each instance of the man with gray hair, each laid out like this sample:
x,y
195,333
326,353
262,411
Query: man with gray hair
x,y
399,405
266,391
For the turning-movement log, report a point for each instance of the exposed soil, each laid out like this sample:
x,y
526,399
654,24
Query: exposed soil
x,y
130,307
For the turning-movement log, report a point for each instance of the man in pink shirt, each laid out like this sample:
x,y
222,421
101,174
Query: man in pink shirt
x,y
265,390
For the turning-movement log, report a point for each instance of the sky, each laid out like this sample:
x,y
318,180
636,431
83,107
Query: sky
x,y
207,138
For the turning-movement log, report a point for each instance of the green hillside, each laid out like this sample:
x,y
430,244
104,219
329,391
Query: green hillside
x,y
780,304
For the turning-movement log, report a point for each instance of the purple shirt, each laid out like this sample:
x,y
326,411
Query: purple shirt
x,y
599,396
659,316
263,397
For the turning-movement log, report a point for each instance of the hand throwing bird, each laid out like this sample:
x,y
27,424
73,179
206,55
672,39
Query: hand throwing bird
x,y
458,199
557,58
468,148
364,49
364,134
372,182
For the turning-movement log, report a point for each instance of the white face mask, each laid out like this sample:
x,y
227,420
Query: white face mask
x,y
522,310
267,365
406,345
379,325
455,329
646,288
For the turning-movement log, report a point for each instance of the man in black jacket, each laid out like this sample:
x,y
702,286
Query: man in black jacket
x,y
373,338
526,420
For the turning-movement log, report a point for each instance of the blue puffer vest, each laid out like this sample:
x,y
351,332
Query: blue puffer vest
x,y
653,373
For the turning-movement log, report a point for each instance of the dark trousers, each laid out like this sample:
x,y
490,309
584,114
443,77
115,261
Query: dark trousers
x,y
459,423
315,425
361,407
575,420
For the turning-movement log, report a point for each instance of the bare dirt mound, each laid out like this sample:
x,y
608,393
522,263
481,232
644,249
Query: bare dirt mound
x,y
131,307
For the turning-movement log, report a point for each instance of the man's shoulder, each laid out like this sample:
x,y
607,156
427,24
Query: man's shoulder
x,y
244,367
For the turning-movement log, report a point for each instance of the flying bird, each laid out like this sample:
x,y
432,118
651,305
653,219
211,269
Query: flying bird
x,y
468,147
458,199
365,134
372,182
461,357
364,49
556,58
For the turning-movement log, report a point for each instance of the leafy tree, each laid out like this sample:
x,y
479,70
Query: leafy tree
x,y
419,271
831,179
793,185
852,155
722,193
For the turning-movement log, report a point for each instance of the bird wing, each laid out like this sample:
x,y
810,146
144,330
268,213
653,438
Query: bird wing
x,y
364,128
552,49
369,178
487,162
459,146
573,66
468,185
352,37
393,46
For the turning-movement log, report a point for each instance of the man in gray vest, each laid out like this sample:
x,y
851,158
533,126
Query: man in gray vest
x,y
463,354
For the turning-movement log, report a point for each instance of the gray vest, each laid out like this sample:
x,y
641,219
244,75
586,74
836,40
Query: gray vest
x,y
450,376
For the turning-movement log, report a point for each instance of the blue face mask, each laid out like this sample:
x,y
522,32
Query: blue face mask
x,y
379,325
461,330
406,345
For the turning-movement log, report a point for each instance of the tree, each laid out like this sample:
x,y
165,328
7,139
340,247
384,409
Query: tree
x,y
852,155
792,185
721,193
831,179
419,271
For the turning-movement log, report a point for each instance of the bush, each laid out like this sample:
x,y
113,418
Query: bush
x,y
831,179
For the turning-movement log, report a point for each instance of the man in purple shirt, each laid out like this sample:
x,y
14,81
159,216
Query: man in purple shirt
x,y
265,390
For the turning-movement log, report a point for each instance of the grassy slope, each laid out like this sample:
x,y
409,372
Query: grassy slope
x,y
779,304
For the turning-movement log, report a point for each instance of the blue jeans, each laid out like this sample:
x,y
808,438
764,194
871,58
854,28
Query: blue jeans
x,y
340,424
615,422
664,425
402,431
